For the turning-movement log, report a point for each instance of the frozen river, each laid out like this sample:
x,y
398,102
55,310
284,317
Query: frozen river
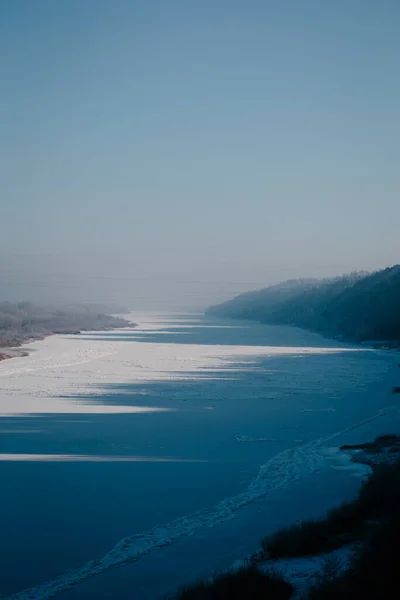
x,y
169,449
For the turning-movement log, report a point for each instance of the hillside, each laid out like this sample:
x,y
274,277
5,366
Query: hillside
x,y
357,307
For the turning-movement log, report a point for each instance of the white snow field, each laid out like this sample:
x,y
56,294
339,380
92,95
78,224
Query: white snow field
x,y
109,452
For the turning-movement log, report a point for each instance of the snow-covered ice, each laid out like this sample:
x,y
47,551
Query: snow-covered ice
x,y
136,404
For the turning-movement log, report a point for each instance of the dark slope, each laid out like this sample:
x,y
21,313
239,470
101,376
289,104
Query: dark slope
x,y
358,306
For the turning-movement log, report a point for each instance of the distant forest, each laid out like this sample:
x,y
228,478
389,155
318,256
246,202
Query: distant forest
x,y
358,307
22,321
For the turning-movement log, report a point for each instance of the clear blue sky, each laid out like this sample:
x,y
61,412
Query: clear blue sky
x,y
191,149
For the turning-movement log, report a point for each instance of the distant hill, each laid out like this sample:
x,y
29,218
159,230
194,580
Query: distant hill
x,y
357,307
23,321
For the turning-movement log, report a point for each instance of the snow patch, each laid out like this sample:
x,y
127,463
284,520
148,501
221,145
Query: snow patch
x,y
91,458
309,410
302,572
246,438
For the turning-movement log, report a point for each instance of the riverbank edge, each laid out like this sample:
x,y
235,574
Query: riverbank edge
x,y
303,573
16,349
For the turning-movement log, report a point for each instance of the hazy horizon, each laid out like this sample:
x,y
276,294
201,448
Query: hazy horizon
x,y
70,285
172,155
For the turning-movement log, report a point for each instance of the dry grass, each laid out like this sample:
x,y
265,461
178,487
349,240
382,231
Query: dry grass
x,y
378,497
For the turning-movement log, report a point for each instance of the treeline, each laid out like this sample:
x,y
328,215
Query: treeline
x,y
22,321
358,307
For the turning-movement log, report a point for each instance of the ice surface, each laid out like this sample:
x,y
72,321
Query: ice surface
x,y
60,367
280,472
68,374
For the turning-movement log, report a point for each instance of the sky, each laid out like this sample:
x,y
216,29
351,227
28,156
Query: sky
x,y
172,153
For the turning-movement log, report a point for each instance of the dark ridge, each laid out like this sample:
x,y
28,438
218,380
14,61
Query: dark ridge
x,y
359,307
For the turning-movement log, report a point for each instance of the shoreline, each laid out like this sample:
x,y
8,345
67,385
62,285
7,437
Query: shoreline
x,y
16,349
379,344
12,353
305,570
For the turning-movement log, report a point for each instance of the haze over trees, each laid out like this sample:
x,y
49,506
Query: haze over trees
x,y
23,321
358,306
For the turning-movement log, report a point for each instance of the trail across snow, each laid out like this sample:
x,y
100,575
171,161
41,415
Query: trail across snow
x,y
279,472
67,375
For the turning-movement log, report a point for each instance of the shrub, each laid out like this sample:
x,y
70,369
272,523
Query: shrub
x,y
379,497
380,443
248,583
337,528
373,573
380,494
